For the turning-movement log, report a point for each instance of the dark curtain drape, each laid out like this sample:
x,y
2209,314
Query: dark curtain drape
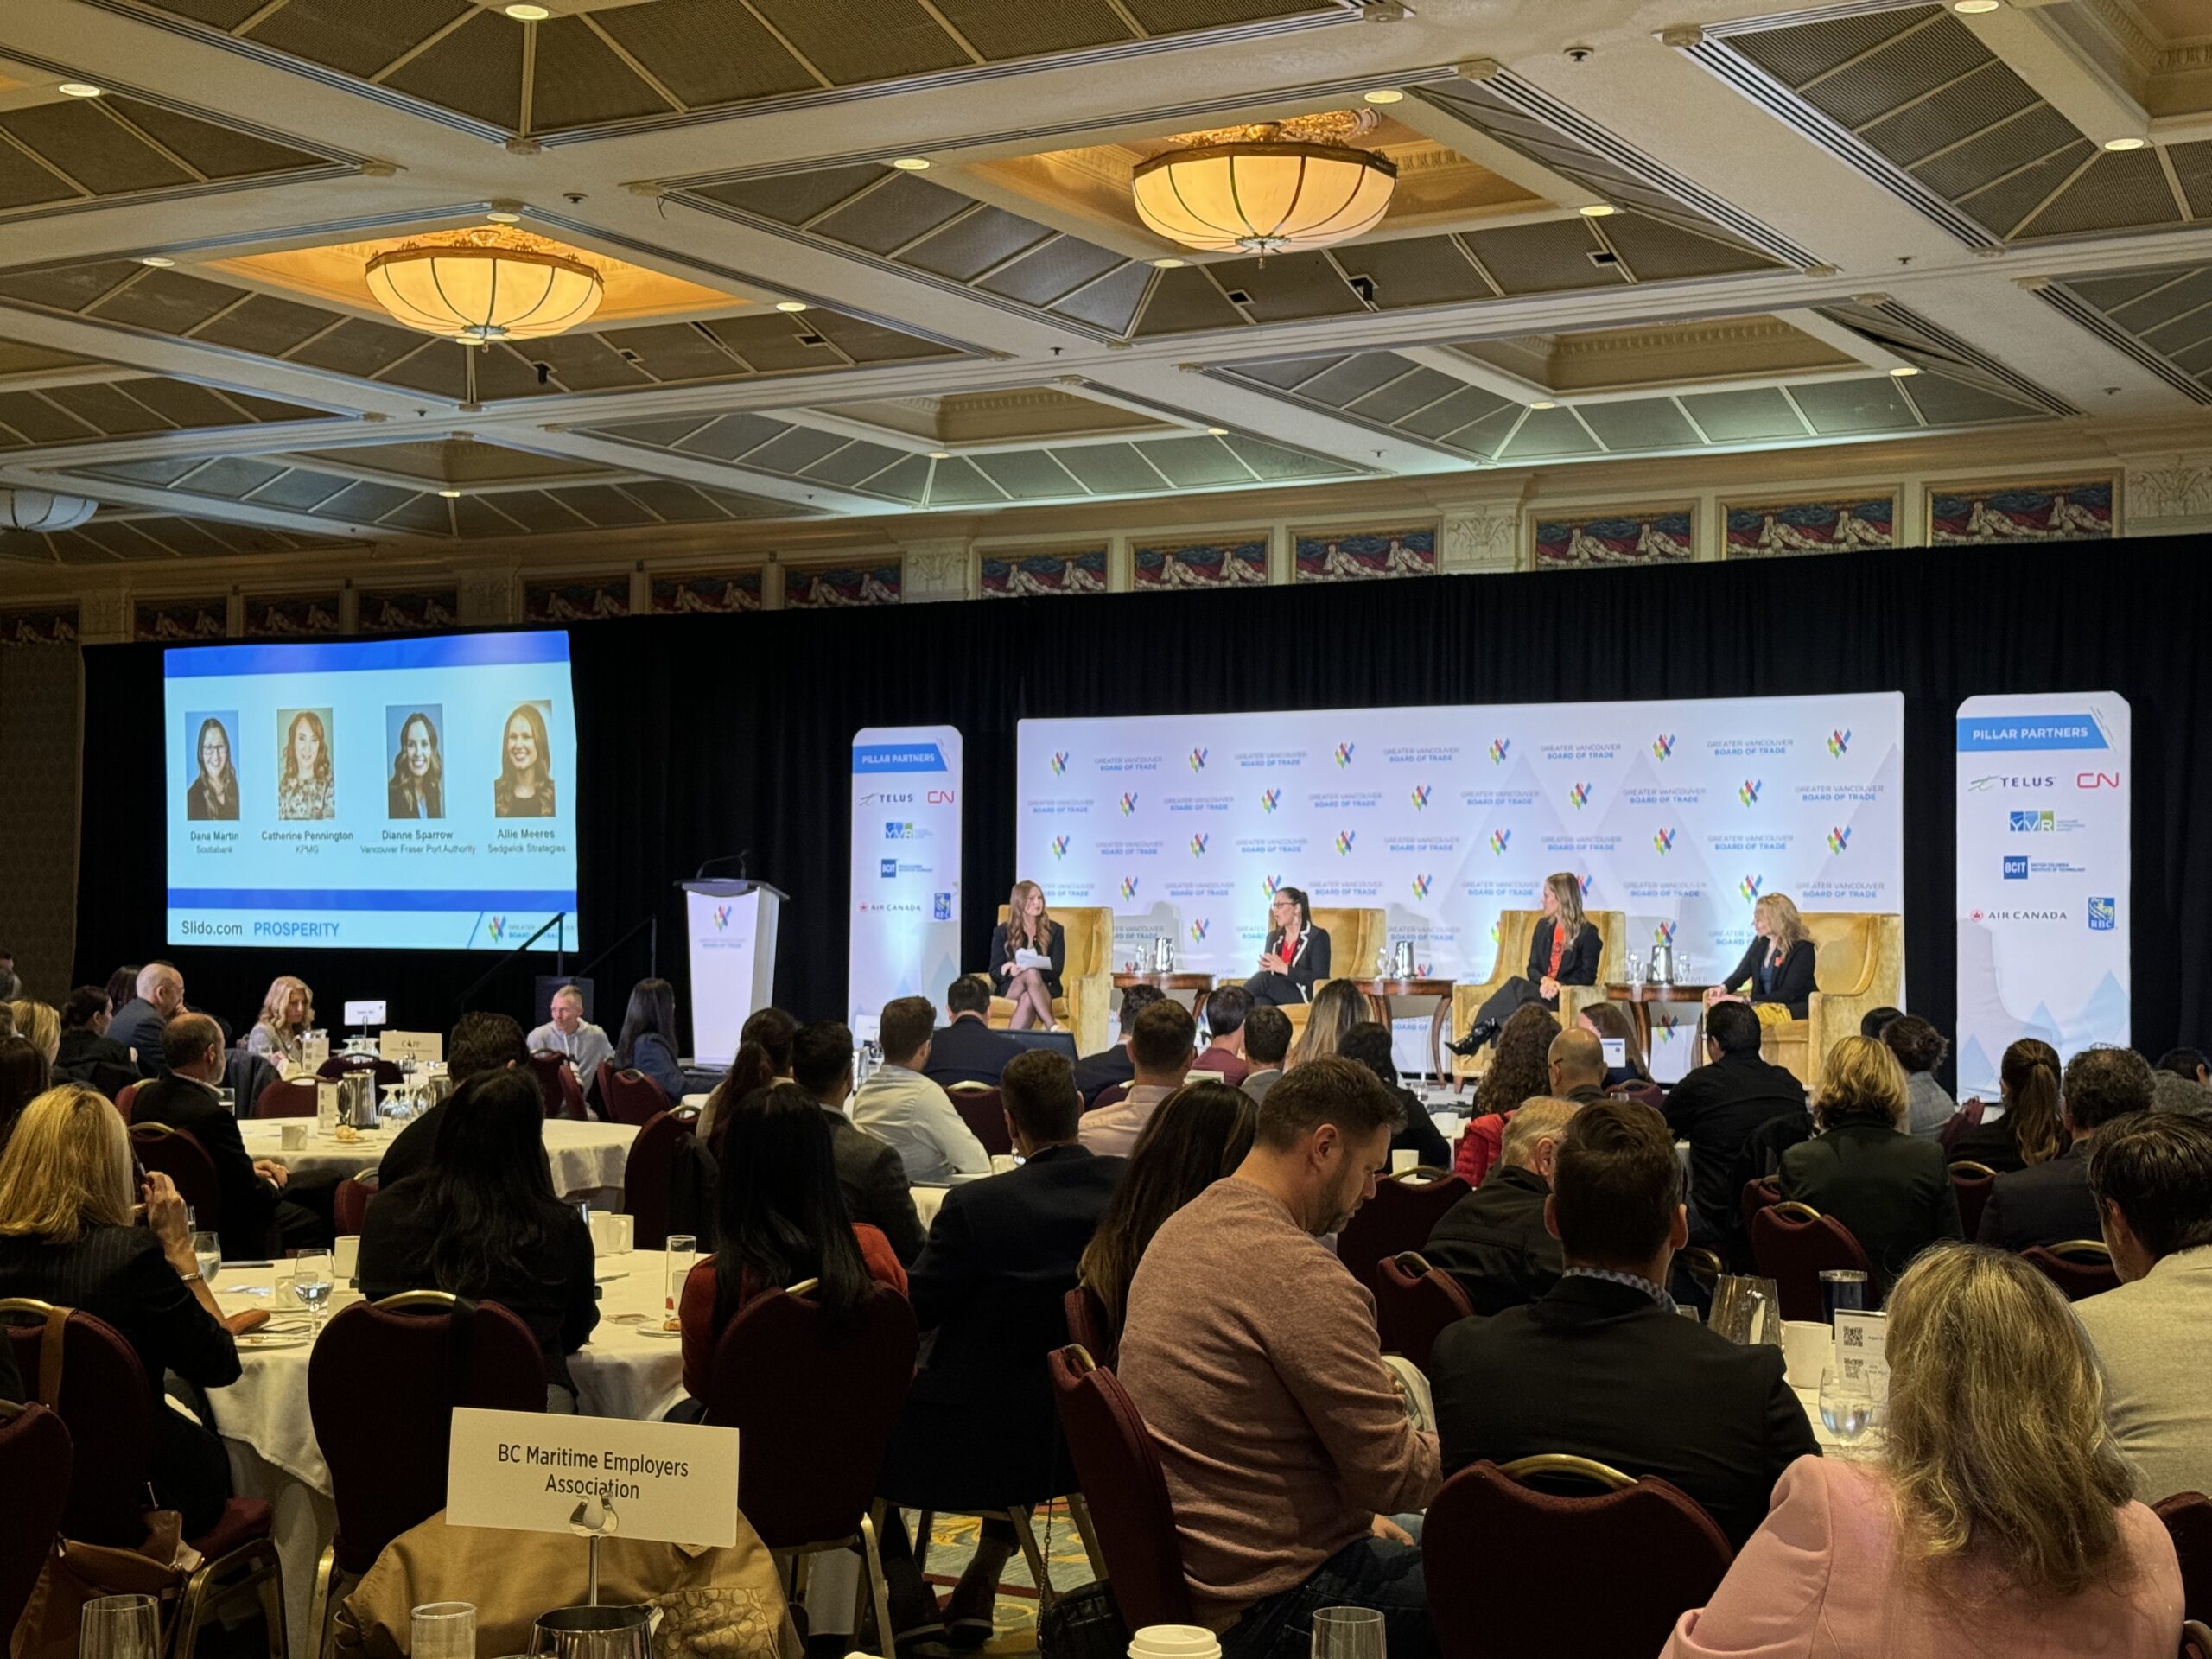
x,y
704,736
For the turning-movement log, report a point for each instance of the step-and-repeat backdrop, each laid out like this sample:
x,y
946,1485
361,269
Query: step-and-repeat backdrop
x,y
1680,813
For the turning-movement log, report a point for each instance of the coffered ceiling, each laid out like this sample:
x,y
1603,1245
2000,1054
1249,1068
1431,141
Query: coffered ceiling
x,y
871,260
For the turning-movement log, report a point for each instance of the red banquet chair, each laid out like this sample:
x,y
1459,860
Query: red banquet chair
x,y
1973,1183
1112,1095
630,1096
386,1447
1414,1302
34,1460
124,1098
340,1065
1666,1555
1794,1244
1126,1490
179,1155
978,1107
281,1099
648,1176
1758,1195
779,1375
2081,1268
557,1082
105,1403
2188,1516
349,1203
1401,1216
1087,1324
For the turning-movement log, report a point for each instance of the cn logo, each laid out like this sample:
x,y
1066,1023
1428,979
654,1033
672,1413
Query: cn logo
x,y
943,797
2096,780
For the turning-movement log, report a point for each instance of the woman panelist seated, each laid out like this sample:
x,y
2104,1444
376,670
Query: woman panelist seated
x,y
1776,970
1296,953
1028,928
1562,951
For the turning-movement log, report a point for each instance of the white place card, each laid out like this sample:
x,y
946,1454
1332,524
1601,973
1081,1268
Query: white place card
x,y
404,1046
1861,1349
365,1014
526,1472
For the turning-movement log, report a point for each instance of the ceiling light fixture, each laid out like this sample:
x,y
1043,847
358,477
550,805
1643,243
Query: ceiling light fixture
x,y
1217,431
1902,372
503,216
911,164
528,13
1169,264
483,287
450,495
1384,95
158,261
42,511
1974,8
1598,210
78,89
793,306
1543,403
940,454
2120,146
1270,188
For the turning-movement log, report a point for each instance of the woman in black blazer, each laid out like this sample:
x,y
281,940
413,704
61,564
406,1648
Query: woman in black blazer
x,y
1777,969
1563,950
1027,927
1296,954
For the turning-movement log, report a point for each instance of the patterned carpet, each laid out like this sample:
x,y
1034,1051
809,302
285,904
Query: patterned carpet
x,y
952,1541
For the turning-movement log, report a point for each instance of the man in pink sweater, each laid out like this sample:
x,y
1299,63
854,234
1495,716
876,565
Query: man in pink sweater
x,y
1252,1353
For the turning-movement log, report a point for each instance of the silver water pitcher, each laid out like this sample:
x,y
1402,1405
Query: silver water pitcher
x,y
357,1099
1163,955
1663,963
1402,959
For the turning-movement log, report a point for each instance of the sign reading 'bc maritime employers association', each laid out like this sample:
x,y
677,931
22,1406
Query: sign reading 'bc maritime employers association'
x,y
676,1482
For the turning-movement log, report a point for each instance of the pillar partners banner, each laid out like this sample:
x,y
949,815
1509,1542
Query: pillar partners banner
x,y
905,898
2043,876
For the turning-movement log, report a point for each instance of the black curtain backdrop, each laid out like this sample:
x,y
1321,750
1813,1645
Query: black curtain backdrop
x,y
702,736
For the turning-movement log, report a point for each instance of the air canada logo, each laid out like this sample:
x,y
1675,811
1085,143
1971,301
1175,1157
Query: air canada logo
x,y
1059,846
1270,799
1420,886
1198,846
1579,795
1198,759
1269,883
1750,886
1128,886
1420,796
1662,746
1344,841
1499,749
1838,743
1343,754
1199,929
721,918
1060,762
1839,837
1663,934
1128,803
1500,840
1749,794
1664,841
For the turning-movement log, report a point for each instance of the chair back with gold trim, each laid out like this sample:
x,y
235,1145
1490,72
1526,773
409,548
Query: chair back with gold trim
x,y
1857,966
1354,937
1085,1002
1516,932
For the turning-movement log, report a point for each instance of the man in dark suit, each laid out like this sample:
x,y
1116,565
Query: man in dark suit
x,y
480,1042
1494,1240
1096,1073
1601,1367
967,1050
869,1169
138,1024
255,1208
1717,1106
2051,1203
1577,1061
979,1429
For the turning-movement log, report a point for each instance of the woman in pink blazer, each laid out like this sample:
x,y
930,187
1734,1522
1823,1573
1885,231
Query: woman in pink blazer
x,y
1999,1520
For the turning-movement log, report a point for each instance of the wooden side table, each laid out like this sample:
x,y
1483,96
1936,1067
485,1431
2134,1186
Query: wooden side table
x,y
1169,984
1640,998
1383,990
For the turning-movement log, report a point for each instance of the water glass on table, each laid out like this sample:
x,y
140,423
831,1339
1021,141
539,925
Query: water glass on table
x,y
683,1252
312,1275
1841,1288
1846,1403
117,1627
442,1630
207,1254
1348,1633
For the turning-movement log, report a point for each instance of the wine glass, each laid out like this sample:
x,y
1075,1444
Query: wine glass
x,y
1846,1404
312,1278
117,1627
1348,1633
207,1254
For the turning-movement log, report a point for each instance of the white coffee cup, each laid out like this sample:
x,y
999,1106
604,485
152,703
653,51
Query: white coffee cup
x,y
1402,1161
1806,1344
346,1258
611,1234
293,1137
1174,1642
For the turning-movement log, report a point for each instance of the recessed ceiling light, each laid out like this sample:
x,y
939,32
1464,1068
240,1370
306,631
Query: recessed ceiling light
x,y
78,89
1385,95
790,305
1902,372
1217,431
1543,403
503,216
940,454
911,164
2126,143
158,261
1168,265
528,13
449,494
1598,210
1975,8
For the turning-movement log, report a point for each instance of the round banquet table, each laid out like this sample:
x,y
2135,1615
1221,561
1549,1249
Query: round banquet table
x,y
628,1369
587,1158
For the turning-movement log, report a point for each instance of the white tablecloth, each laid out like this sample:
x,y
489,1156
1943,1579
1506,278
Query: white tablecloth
x,y
585,1158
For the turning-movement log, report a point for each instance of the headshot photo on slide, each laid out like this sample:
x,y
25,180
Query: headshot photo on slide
x,y
525,785
305,773
417,788
214,790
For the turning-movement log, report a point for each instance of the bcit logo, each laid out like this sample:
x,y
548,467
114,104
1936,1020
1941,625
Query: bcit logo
x,y
940,907
1128,886
1198,846
1749,794
496,927
1270,799
1420,886
1838,743
1662,746
1199,929
1420,796
1499,749
2033,823
1060,846
1750,886
1343,752
721,918
1664,841
1344,841
1269,883
1128,805
2104,915
1663,934
1579,795
1839,837
888,867
2016,867
1500,840
1198,759
1060,762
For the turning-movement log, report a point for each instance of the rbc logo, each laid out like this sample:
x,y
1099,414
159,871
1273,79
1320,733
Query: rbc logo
x,y
2104,915
1664,841
2015,869
1579,795
1270,799
1198,759
1198,846
1128,805
1662,746
941,906
1499,749
1128,886
890,867
1420,796
1060,762
1839,838
1343,754
1749,794
1838,743
1500,839
1750,886
1059,846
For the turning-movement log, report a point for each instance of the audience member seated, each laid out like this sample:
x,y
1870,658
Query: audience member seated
x,y
122,985
484,1222
900,1104
158,997
1266,1033
782,1219
1252,1357
2152,1176
1199,1135
1872,1022
480,1042
1716,1108
68,1236
965,1049
648,1040
1520,1066
1227,1010
24,1078
1892,1192
1576,1063
10,986
1997,1520
259,1194
2181,1082
979,1431
1336,1008
763,1057
280,1031
1609,1022
1096,1073
571,1036
39,1025
1920,1049
1369,1043
2051,1203
869,1173
1601,1367
1494,1240
86,1053
2028,1129
1161,1047
2188,1064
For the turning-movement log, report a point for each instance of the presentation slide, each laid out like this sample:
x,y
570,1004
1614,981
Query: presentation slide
x,y
400,794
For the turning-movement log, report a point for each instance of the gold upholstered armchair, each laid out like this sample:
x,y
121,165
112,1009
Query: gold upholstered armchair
x,y
1516,931
1354,937
1858,964
1084,1005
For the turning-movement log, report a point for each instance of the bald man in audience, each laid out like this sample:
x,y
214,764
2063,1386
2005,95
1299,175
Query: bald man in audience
x,y
138,1024
1577,1062
1494,1240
